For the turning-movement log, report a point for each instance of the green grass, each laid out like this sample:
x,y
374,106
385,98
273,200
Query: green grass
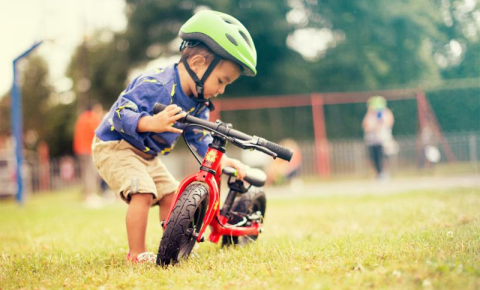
x,y
416,240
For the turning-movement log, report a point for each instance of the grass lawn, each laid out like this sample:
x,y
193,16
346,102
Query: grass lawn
x,y
414,240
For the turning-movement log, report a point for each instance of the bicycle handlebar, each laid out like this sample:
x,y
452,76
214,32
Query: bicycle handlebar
x,y
280,151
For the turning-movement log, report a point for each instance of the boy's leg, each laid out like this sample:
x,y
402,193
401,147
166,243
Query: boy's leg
x,y
136,220
166,185
126,173
164,207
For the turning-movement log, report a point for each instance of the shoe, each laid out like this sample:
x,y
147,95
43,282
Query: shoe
x,y
383,177
147,257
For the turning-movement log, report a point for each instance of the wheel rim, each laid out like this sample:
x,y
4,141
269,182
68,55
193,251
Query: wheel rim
x,y
187,245
189,239
244,240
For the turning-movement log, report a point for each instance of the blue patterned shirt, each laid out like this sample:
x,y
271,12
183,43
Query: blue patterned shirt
x,y
160,85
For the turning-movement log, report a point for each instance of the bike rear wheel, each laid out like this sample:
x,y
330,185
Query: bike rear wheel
x,y
184,224
247,204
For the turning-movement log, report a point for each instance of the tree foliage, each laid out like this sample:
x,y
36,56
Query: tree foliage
x,y
373,45
351,46
377,44
35,93
41,120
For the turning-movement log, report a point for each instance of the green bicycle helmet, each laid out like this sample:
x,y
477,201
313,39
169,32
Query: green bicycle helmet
x,y
377,103
225,36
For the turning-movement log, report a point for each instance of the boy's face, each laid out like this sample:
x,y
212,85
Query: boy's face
x,y
225,73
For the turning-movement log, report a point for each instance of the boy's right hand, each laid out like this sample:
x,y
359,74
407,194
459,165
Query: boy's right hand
x,y
161,122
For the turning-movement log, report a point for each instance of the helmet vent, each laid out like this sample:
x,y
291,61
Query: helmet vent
x,y
245,37
232,40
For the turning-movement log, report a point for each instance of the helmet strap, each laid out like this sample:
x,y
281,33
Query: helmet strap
x,y
199,83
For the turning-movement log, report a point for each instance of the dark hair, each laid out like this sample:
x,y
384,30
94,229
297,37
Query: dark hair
x,y
197,48
91,104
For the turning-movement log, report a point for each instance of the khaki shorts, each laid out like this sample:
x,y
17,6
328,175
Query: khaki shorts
x,y
128,170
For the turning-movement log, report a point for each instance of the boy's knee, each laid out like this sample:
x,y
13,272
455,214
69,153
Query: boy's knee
x,y
141,198
166,199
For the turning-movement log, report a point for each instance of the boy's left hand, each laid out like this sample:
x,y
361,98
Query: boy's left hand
x,y
237,164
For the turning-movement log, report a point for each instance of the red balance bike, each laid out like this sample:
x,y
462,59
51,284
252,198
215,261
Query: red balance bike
x,y
196,202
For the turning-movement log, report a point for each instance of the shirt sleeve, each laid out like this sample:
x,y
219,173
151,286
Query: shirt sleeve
x,y
136,103
199,138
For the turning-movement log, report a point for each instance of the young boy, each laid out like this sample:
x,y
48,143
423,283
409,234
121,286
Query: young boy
x,y
216,50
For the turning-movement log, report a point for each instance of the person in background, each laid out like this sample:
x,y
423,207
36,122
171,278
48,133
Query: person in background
x,y
84,132
377,127
281,172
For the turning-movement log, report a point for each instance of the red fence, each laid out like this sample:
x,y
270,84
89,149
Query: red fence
x,y
317,101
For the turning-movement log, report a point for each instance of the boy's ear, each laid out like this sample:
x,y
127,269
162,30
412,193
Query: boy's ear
x,y
197,62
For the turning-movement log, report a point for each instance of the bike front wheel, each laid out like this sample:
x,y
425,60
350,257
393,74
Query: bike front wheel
x,y
184,224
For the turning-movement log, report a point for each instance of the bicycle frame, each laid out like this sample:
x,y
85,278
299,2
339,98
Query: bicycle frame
x,y
210,174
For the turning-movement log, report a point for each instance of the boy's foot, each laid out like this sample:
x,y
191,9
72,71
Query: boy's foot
x,y
146,257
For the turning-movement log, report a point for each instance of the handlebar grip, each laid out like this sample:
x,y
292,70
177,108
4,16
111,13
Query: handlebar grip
x,y
282,152
157,108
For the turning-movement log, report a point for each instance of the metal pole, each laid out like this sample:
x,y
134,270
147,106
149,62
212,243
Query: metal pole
x,y
473,151
320,132
17,123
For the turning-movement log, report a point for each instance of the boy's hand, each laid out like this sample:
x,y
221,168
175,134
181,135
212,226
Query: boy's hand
x,y
161,122
237,164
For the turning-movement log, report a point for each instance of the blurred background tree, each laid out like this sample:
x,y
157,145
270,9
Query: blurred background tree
x,y
303,46
44,119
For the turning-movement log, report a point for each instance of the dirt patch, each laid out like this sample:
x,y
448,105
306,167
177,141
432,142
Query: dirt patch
x,y
372,187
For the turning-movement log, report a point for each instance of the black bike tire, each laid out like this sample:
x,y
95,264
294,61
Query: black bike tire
x,y
246,203
189,209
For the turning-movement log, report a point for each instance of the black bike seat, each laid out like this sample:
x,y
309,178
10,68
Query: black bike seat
x,y
254,176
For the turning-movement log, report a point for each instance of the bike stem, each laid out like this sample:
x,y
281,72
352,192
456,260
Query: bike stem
x,y
212,160
211,167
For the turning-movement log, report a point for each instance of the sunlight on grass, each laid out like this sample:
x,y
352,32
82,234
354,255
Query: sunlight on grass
x,y
424,240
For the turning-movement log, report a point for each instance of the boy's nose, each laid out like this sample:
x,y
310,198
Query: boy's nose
x,y
221,90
